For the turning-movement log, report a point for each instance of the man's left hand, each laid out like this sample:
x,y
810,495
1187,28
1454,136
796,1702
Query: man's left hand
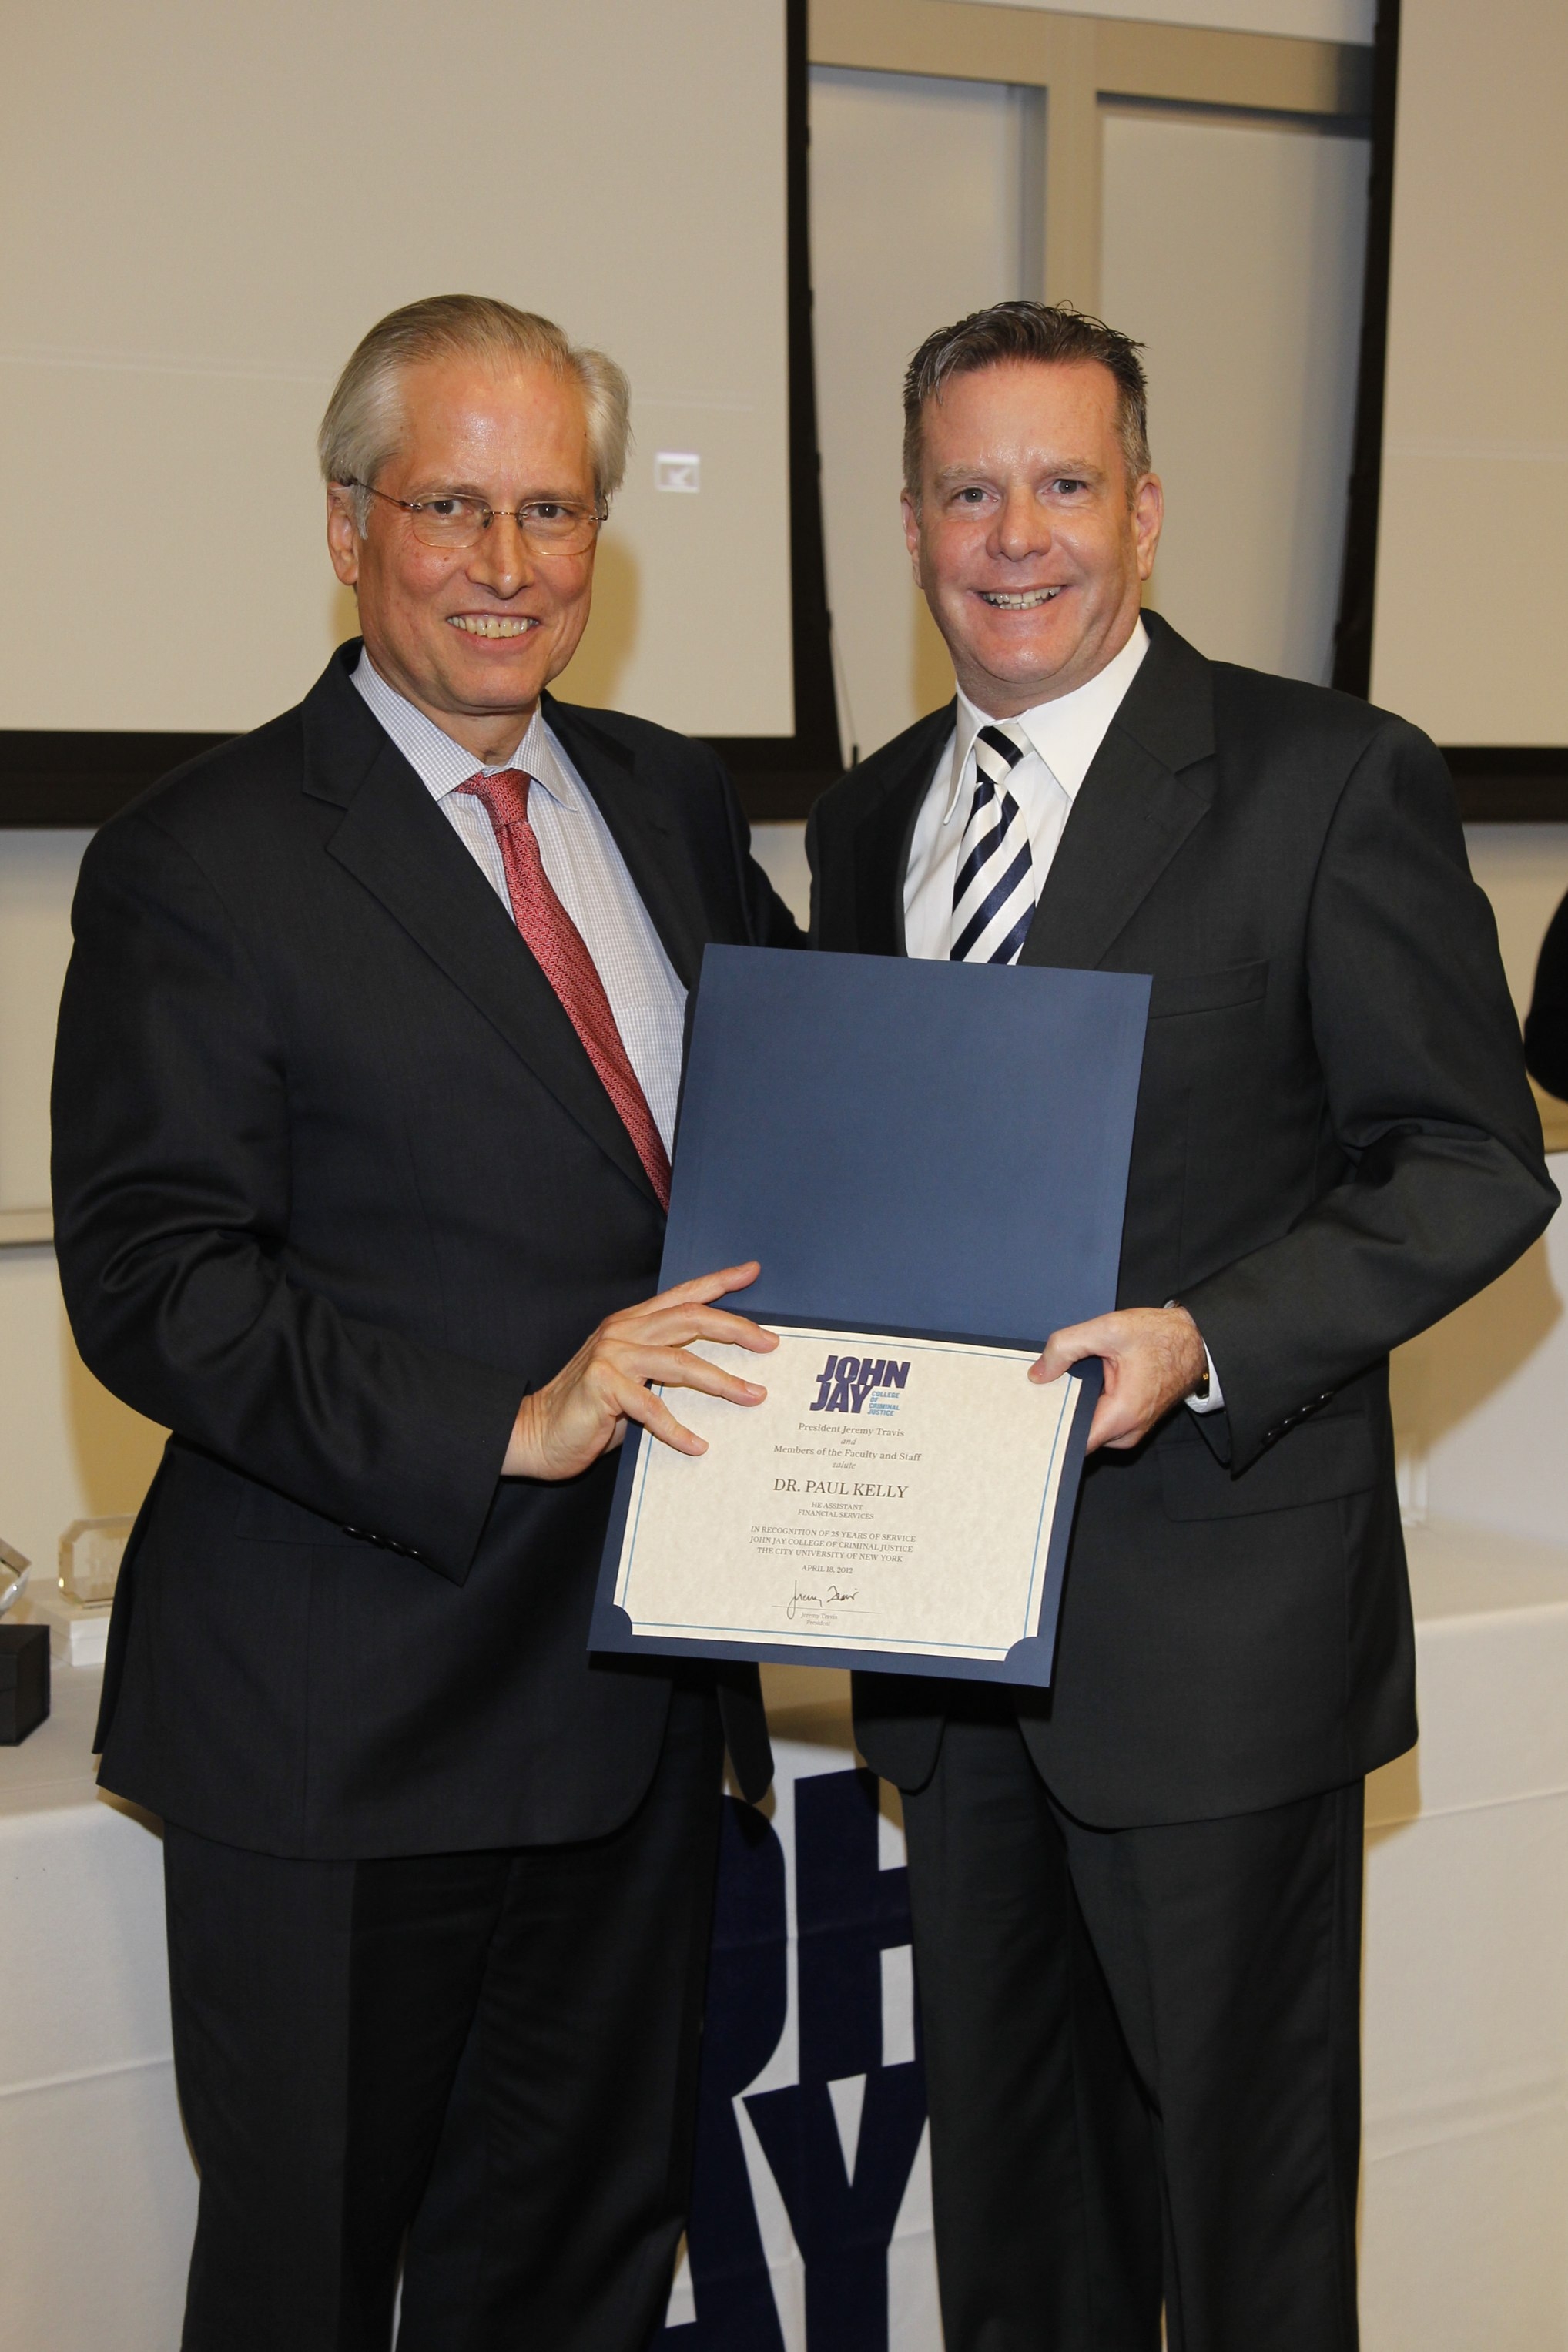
x,y
1153,1356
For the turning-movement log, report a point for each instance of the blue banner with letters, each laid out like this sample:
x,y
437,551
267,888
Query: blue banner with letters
x,y
809,2223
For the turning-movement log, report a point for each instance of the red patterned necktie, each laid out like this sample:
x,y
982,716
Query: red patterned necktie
x,y
562,956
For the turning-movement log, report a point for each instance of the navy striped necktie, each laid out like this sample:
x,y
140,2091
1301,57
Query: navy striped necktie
x,y
994,890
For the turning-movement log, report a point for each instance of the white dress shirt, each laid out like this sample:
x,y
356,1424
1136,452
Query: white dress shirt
x,y
585,869
1064,736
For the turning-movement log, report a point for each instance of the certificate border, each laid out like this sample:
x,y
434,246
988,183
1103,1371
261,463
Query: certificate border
x,y
980,1655
1028,1660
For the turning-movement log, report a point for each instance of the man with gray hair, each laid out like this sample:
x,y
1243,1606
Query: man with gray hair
x,y
1137,1897
366,1090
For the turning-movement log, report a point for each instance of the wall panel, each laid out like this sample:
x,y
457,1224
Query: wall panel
x,y
1233,251
917,190
1471,598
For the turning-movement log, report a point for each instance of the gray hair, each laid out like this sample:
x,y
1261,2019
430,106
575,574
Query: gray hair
x,y
360,430
1052,334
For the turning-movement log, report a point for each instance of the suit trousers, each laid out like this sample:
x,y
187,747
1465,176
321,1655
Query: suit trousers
x,y
1143,2052
323,2010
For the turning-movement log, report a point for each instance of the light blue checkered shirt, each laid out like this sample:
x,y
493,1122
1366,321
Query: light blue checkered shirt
x,y
586,872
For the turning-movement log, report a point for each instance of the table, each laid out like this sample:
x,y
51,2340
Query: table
x,y
99,2197
1465,2196
814,2179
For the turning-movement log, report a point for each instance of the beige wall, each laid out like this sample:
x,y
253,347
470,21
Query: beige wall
x,y
37,876
68,1449
1472,593
1524,869
204,207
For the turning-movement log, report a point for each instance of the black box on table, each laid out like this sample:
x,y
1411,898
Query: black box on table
x,y
23,1681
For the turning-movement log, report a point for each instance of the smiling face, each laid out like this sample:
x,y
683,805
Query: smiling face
x,y
472,637
1029,540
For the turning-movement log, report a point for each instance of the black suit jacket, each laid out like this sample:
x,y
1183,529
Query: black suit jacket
x,y
1546,1024
1334,1146
336,1183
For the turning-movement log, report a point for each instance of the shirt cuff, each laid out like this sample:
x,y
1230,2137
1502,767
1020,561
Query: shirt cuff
x,y
1213,1399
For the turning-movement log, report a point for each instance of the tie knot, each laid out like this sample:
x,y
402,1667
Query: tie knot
x,y
1006,743
503,796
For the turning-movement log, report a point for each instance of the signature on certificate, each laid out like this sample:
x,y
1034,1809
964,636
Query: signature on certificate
x,y
798,1599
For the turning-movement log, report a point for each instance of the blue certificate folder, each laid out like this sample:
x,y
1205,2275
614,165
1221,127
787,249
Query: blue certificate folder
x,y
908,1147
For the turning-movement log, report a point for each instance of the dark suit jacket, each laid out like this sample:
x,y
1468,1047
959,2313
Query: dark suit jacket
x,y
1334,1146
334,1184
1546,1024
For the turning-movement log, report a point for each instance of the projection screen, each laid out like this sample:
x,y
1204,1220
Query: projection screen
x,y
206,206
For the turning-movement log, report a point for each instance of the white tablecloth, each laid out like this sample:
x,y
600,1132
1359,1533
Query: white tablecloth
x,y
99,2197
1465,2198
1465,2215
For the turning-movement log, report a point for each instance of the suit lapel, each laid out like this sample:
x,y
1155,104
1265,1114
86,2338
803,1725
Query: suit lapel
x,y
665,881
883,840
395,842
1146,790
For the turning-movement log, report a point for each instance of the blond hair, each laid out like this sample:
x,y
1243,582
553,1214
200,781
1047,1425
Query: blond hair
x,y
364,416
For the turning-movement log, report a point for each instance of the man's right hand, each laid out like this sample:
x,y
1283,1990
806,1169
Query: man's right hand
x,y
583,1411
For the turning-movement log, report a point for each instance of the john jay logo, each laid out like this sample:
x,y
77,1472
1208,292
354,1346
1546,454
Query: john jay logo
x,y
845,1382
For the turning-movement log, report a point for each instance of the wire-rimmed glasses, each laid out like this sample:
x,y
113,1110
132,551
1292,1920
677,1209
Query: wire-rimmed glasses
x,y
455,521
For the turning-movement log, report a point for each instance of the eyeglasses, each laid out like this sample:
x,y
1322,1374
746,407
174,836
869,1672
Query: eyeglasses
x,y
451,521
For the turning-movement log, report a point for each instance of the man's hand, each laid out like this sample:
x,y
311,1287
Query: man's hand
x,y
583,1411
1153,1358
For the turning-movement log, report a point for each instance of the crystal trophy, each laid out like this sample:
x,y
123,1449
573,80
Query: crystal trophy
x,y
13,1576
91,1554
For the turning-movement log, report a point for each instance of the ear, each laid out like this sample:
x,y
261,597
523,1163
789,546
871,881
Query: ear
x,y
911,534
1148,519
343,534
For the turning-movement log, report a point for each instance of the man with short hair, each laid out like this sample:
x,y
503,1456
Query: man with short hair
x,y
1137,1898
365,1089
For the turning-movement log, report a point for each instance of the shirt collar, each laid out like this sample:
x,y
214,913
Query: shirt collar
x,y
442,765
1066,733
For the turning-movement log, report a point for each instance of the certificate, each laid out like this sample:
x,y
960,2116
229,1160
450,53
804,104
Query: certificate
x,y
892,1503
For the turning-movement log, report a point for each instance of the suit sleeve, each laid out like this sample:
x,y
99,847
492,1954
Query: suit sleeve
x,y
1426,1101
171,1199
769,922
